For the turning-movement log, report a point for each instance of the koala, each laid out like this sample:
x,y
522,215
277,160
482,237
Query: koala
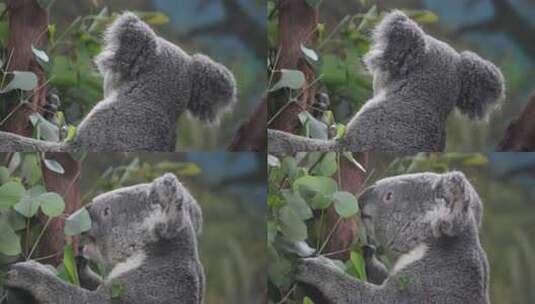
x,y
148,83
146,234
417,82
429,224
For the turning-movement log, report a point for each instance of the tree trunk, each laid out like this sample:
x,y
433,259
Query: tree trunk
x,y
28,25
252,136
297,25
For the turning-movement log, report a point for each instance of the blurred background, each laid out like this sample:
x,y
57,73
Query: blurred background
x,y
498,30
504,182
231,189
230,31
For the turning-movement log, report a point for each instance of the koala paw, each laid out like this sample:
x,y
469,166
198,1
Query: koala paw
x,y
26,275
311,270
368,252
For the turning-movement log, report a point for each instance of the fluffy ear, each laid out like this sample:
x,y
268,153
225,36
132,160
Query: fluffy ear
x,y
458,205
482,86
129,43
167,194
398,43
213,89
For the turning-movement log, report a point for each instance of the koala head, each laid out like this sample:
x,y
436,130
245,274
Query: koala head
x,y
124,221
133,52
402,212
401,51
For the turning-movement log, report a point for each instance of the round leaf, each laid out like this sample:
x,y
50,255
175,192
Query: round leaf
x,y
345,204
10,194
309,53
292,79
298,204
293,228
51,204
77,222
20,80
29,205
9,240
30,170
40,54
4,175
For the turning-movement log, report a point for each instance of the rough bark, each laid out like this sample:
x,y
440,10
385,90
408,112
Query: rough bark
x,y
520,134
297,25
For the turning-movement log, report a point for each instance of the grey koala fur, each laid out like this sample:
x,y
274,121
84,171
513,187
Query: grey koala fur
x,y
148,84
417,82
147,235
429,224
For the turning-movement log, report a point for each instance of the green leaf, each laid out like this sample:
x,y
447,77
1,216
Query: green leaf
x,y
307,300
117,289
77,222
14,163
10,194
345,204
9,240
4,175
153,18
292,79
298,204
292,227
70,265
289,167
328,165
314,3
314,127
30,170
358,263
321,184
477,159
14,219
47,130
310,53
54,166
29,205
45,4
52,204
71,133
422,16
20,80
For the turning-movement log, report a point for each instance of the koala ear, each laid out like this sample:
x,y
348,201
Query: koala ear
x,y
128,44
167,193
482,86
398,44
457,205
213,89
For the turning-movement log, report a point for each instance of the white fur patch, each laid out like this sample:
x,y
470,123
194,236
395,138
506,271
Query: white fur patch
x,y
438,213
131,263
414,255
157,216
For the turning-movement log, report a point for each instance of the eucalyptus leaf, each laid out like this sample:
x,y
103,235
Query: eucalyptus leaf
x,y
358,263
40,54
47,130
293,228
52,204
77,223
273,161
298,204
14,219
30,170
292,79
9,240
10,194
310,53
28,205
70,265
54,166
14,163
20,80
4,175
345,204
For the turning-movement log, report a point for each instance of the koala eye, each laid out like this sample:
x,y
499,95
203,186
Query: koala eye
x,y
106,211
388,196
